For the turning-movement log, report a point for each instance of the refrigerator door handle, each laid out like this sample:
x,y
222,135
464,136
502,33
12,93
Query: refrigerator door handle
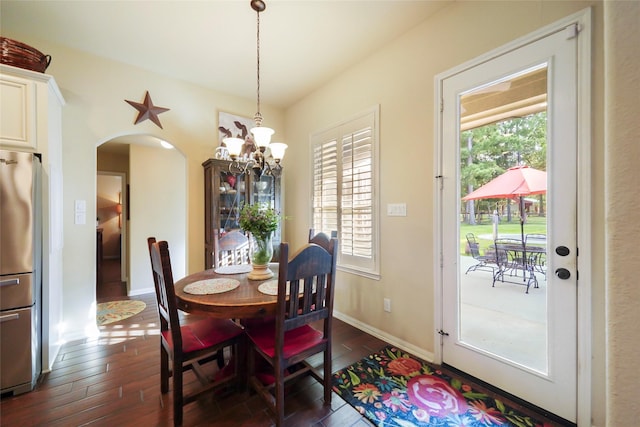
x,y
9,317
10,282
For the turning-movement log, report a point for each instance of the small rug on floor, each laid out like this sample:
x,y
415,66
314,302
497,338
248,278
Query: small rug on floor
x,y
394,388
114,311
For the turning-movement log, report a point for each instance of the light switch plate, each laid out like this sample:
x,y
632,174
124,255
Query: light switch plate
x,y
80,218
81,206
397,209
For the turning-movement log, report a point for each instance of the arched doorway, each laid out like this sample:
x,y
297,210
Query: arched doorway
x,y
153,202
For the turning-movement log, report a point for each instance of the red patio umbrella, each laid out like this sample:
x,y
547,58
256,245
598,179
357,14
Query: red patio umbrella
x,y
515,182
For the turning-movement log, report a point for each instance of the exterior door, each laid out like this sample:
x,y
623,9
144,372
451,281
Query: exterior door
x,y
523,343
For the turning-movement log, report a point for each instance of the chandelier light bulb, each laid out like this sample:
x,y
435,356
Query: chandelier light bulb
x,y
277,150
234,145
262,136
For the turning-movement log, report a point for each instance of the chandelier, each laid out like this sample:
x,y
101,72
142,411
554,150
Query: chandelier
x,y
258,161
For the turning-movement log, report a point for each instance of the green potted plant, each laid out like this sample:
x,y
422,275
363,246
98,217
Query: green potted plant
x,y
261,221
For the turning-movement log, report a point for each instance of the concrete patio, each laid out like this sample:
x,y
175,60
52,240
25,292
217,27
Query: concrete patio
x,y
504,320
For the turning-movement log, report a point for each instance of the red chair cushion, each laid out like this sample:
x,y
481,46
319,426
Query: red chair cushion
x,y
295,341
205,333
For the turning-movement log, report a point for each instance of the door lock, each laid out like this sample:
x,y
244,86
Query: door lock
x,y
563,273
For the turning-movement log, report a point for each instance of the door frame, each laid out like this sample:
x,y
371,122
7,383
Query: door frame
x,y
583,21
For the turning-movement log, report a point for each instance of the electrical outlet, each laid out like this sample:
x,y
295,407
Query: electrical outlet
x,y
387,305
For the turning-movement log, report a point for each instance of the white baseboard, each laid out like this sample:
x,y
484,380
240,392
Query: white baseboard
x,y
393,340
142,291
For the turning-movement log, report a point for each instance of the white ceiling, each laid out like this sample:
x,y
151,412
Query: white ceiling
x,y
304,43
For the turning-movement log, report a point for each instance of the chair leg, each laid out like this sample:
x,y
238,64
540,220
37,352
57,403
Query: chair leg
x,y
164,370
327,376
177,393
279,394
220,358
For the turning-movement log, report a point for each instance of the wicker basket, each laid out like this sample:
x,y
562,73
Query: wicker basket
x,y
23,56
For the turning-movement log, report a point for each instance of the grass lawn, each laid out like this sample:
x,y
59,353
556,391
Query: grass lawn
x,y
534,225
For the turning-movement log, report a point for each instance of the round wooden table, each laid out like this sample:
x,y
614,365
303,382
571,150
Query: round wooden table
x,y
243,302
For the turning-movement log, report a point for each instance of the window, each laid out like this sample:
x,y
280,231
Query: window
x,y
345,194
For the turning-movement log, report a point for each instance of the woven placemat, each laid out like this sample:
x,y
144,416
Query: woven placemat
x,y
211,286
234,269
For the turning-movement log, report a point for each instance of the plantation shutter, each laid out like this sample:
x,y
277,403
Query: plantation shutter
x,y
357,203
325,186
344,190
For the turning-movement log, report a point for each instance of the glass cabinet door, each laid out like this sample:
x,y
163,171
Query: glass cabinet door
x,y
232,196
266,191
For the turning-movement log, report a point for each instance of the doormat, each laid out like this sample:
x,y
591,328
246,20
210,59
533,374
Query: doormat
x,y
394,388
114,311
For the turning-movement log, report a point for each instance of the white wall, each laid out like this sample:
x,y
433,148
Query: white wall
x,y
158,207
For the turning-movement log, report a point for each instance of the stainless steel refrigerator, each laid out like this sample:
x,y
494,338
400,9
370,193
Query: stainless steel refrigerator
x,y
20,271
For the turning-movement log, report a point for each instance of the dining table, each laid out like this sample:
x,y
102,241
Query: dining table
x,y
226,292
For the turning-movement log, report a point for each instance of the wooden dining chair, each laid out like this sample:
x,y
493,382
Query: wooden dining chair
x,y
286,342
187,346
230,248
321,238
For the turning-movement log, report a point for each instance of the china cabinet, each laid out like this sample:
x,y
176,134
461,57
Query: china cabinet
x,y
226,192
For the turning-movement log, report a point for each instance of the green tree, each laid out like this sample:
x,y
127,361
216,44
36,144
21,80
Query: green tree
x,y
488,151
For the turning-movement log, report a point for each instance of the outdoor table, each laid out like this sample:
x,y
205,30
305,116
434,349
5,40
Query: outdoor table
x,y
518,257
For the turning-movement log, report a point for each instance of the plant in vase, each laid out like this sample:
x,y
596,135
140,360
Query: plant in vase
x,y
261,221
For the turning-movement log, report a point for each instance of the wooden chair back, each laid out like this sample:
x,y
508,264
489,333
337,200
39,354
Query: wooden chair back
x,y
230,248
165,292
311,274
190,345
321,239
306,285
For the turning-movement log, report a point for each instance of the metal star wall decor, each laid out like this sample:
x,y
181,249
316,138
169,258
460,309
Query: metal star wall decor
x,y
147,110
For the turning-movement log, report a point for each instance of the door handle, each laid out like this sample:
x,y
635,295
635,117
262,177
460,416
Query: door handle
x,y
563,273
10,282
9,317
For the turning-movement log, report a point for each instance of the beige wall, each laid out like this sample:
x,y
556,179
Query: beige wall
x,y
622,151
158,208
95,91
400,78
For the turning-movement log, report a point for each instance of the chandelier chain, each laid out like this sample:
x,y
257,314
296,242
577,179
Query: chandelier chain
x,y
258,116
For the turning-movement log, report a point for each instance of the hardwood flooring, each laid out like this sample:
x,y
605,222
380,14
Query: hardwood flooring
x,y
114,380
109,286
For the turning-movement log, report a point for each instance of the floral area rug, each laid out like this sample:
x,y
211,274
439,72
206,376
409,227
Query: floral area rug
x,y
114,311
394,388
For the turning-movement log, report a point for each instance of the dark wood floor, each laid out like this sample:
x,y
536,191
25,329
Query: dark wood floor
x,y
114,380
109,286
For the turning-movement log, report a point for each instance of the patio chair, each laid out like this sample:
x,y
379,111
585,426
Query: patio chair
x,y
511,257
485,262
537,252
